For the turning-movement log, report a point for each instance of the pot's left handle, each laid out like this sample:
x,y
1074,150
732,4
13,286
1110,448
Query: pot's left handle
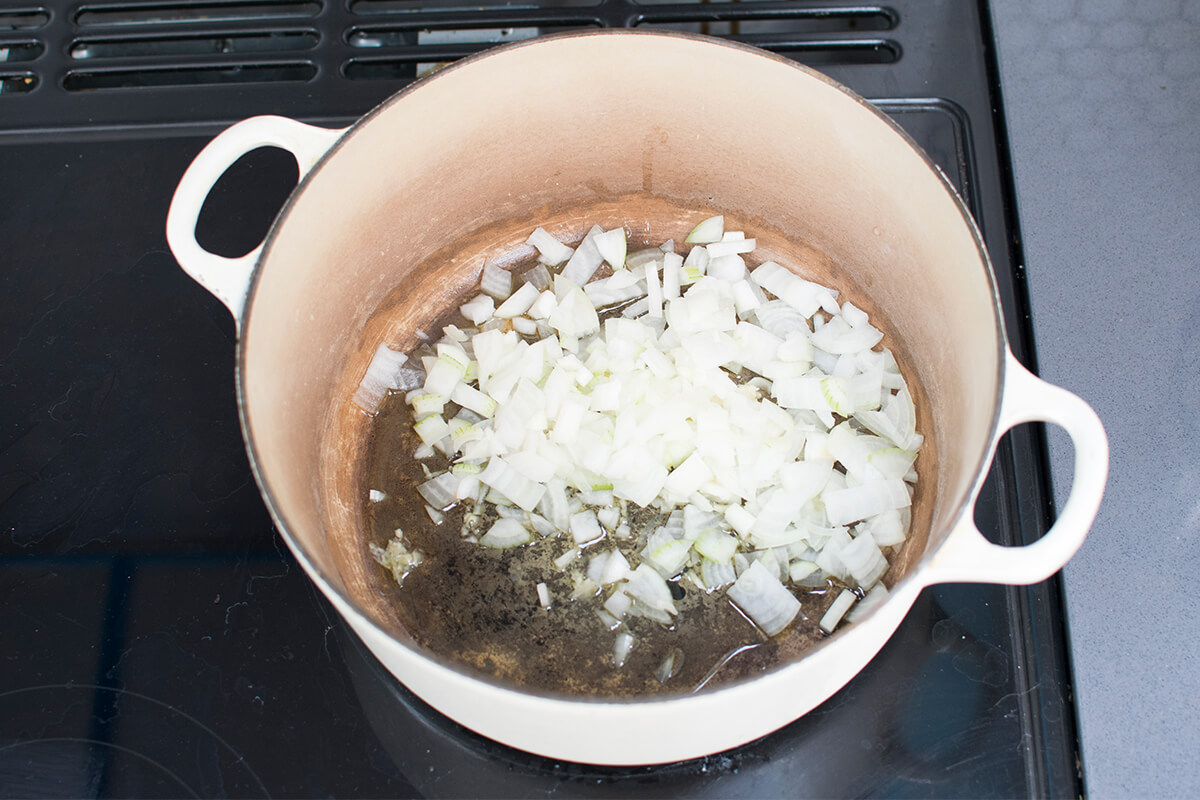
x,y
966,556
229,278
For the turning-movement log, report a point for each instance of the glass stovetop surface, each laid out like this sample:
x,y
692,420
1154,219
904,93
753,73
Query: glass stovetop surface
x,y
159,640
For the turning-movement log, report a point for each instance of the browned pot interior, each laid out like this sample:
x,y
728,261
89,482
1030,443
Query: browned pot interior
x,y
651,131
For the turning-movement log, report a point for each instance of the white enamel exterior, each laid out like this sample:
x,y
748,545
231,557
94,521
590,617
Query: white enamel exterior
x,y
628,733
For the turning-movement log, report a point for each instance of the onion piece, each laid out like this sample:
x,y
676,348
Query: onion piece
x,y
543,306
612,247
523,492
716,546
537,276
666,553
872,599
495,281
506,533
585,528
478,309
729,247
864,560
800,569
717,576
553,251
574,315
439,491
543,595
583,262
384,373
564,560
804,296
622,646
707,232
670,665
838,610
648,587
518,302
844,506
765,600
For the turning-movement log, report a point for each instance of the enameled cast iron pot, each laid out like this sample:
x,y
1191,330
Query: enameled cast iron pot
x,y
395,215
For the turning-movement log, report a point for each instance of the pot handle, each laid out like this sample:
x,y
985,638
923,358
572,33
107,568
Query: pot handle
x,y
967,556
229,278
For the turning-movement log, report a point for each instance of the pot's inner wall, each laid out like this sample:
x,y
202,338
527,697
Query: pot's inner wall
x,y
465,165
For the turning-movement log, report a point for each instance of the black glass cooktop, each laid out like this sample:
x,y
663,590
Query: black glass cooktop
x,y
157,638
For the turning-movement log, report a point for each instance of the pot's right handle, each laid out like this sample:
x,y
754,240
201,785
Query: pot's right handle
x,y
229,278
968,557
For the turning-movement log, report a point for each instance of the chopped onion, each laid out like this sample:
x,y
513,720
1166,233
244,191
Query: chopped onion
x,y
621,648
864,560
708,231
583,262
518,302
717,576
762,598
751,415
730,247
506,533
553,251
564,560
800,569
650,589
844,506
612,247
872,599
838,610
543,306
670,665
516,487
495,281
585,528
478,309
385,372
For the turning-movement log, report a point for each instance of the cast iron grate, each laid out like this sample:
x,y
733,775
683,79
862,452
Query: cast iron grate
x,y
20,46
90,61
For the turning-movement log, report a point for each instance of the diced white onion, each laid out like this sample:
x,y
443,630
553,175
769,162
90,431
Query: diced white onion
x,y
708,231
553,251
495,281
838,610
518,302
612,247
585,528
621,648
762,598
385,372
505,533
478,309
758,416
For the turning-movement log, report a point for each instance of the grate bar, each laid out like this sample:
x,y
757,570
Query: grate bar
x,y
82,80
192,13
171,47
29,19
523,18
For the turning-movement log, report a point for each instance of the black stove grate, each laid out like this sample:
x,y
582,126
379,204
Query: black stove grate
x,y
292,53
166,644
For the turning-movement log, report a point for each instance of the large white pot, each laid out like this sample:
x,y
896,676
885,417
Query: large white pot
x,y
394,215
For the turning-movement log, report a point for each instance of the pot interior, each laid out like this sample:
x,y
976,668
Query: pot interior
x,y
647,130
